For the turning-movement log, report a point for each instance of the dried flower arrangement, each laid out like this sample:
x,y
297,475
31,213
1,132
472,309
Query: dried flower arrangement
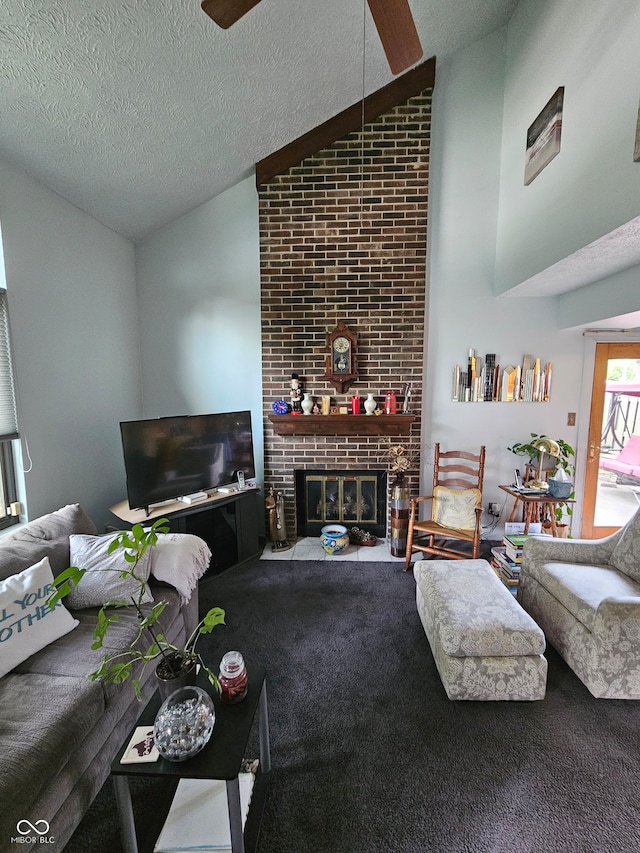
x,y
401,457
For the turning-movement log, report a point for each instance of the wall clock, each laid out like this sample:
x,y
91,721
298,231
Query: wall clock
x,y
341,363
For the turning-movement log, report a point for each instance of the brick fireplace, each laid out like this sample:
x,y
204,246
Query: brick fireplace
x,y
343,238
350,497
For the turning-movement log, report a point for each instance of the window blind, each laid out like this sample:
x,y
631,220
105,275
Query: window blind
x,y
8,413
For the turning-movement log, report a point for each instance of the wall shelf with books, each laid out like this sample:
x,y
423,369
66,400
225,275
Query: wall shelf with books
x,y
485,380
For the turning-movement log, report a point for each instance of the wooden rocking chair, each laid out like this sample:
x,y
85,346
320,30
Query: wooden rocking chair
x,y
456,508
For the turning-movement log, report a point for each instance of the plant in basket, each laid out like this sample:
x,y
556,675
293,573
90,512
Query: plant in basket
x,y
149,643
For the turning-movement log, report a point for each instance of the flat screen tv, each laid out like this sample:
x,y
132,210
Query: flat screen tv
x,y
168,458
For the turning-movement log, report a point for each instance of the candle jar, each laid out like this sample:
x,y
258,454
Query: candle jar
x,y
355,405
390,404
233,678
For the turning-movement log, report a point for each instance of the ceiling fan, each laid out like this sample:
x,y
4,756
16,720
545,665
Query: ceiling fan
x,y
393,20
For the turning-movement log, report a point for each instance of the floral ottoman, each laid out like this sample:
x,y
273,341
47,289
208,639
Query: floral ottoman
x,y
486,647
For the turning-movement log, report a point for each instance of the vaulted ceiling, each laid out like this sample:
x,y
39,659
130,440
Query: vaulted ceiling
x,y
137,111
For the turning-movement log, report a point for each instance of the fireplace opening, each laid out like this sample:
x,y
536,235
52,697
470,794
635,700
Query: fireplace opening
x,y
352,498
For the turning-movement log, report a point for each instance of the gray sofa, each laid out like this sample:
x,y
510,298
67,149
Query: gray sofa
x,y
585,595
59,730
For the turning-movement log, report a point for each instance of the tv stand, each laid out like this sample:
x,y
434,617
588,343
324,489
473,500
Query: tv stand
x,y
228,523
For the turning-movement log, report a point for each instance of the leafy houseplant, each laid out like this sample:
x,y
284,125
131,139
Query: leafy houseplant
x,y
118,666
564,460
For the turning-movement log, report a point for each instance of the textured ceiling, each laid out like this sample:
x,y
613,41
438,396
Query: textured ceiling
x,y
610,254
137,111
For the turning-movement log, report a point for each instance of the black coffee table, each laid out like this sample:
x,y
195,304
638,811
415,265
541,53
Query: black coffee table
x,y
221,758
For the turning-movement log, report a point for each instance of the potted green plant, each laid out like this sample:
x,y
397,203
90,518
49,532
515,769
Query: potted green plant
x,y
565,460
174,664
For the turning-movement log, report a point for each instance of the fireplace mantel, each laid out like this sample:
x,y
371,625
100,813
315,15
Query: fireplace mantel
x,y
342,424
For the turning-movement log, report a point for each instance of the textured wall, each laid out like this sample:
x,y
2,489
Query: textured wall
x,y
74,324
591,188
343,237
200,323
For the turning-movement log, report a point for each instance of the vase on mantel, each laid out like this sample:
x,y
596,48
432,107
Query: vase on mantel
x,y
307,404
369,404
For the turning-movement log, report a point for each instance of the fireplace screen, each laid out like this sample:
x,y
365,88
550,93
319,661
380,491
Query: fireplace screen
x,y
354,499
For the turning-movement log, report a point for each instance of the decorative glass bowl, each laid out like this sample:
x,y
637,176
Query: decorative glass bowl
x,y
184,723
334,538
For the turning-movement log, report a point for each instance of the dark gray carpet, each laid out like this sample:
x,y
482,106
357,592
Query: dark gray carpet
x,y
368,753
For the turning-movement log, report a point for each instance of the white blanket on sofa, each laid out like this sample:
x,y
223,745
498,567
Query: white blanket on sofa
x,y
179,559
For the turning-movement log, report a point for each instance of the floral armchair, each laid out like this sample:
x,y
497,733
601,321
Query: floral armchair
x,y
585,595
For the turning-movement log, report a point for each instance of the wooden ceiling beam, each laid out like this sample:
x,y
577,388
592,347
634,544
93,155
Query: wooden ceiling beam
x,y
397,92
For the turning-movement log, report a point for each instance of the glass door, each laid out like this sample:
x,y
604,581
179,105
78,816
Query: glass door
x,y
612,478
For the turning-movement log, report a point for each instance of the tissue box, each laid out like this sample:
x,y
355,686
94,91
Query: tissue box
x,y
560,488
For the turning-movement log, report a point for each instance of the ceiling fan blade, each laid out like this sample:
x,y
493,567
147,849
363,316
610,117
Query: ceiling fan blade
x,y
398,33
227,12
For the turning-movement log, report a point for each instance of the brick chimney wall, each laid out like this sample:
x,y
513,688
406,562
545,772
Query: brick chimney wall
x,y
343,238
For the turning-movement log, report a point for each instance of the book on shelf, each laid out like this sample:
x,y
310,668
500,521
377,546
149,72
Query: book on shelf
x,y
456,384
489,369
508,383
496,383
547,383
199,815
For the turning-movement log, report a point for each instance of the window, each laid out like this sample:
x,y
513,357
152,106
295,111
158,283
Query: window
x,y
8,420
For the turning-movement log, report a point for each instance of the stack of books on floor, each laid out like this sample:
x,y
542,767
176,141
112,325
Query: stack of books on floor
x,y
507,557
507,570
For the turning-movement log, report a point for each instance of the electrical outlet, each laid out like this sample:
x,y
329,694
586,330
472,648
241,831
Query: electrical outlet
x,y
494,509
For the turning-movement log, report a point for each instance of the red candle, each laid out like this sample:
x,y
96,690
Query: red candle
x,y
390,405
355,405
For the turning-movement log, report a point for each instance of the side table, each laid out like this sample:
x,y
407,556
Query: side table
x,y
221,758
534,505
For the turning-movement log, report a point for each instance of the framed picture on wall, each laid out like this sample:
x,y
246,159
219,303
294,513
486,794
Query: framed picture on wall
x,y
543,137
